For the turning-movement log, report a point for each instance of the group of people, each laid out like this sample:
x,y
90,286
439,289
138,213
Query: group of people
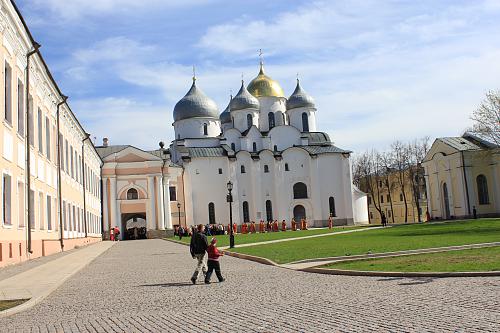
x,y
114,234
199,247
245,228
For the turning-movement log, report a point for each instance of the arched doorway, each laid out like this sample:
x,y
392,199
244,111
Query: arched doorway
x,y
134,226
299,212
446,202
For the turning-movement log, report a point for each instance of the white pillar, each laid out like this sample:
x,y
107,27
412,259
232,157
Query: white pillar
x,y
166,203
161,211
113,201
151,219
105,203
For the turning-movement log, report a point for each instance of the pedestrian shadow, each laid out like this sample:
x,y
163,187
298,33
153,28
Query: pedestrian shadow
x,y
169,284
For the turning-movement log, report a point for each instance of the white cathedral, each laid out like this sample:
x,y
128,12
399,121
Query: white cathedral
x,y
265,144
268,146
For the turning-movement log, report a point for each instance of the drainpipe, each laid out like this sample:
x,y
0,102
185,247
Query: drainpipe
x,y
87,136
162,152
35,49
59,177
465,181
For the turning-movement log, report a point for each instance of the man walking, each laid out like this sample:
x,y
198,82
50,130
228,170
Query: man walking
x,y
198,247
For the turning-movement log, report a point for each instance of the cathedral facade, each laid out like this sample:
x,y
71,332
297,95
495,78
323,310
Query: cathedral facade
x,y
269,148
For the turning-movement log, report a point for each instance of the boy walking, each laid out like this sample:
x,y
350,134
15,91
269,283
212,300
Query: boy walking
x,y
213,261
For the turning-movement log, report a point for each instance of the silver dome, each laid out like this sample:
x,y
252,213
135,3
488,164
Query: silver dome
x,y
225,116
244,100
195,105
299,99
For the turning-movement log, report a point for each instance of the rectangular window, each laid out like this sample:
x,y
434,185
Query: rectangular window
x,y
220,171
31,121
40,131
20,108
47,138
21,203
173,193
66,156
71,168
369,200
388,198
41,215
381,199
32,205
65,219
61,151
400,196
49,212
8,93
266,168
7,199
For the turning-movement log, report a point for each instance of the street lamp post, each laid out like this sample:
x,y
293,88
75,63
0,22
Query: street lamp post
x,y
179,213
230,200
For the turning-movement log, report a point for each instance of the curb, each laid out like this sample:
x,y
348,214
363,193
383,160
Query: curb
x,y
398,274
35,300
260,260
399,253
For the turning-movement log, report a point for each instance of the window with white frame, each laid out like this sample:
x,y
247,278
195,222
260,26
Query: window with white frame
x,y
7,199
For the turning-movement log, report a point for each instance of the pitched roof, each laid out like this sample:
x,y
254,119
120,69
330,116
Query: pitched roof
x,y
106,151
460,143
316,150
207,152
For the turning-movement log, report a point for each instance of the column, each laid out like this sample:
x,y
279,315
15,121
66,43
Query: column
x,y
105,203
152,213
166,203
113,202
161,210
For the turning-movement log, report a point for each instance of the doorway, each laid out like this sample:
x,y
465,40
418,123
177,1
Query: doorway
x,y
134,226
299,212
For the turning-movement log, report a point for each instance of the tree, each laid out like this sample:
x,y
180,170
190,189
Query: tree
x,y
386,160
417,151
487,117
401,164
367,175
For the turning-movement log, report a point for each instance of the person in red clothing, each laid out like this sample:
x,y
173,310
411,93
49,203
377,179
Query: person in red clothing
x,y
213,261
283,225
252,227
330,222
261,226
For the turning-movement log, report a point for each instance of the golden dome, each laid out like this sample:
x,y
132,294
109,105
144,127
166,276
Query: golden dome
x,y
264,86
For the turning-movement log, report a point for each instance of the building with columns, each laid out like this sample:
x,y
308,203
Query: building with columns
x,y
462,174
58,206
142,191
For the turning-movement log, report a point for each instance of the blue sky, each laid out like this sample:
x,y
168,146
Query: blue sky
x,y
378,70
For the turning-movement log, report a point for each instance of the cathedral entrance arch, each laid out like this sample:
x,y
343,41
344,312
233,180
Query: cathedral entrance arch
x,y
134,226
299,212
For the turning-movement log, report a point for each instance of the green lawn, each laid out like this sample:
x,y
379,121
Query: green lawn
x,y
398,238
223,240
485,259
4,305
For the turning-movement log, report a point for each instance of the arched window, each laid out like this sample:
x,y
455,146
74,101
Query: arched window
x,y
286,167
275,148
305,122
211,213
299,212
331,204
132,194
249,120
254,146
205,129
246,213
242,169
299,191
482,190
233,146
270,117
269,210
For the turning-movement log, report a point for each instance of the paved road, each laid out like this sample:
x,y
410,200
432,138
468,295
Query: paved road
x,y
142,286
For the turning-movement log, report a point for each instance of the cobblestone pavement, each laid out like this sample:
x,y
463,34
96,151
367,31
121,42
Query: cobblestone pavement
x,y
143,286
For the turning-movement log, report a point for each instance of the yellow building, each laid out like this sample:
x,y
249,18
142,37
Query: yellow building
x,y
385,194
463,174
61,216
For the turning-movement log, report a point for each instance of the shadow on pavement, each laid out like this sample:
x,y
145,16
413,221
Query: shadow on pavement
x,y
409,281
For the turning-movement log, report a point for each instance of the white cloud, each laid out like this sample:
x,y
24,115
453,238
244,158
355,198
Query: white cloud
x,y
68,10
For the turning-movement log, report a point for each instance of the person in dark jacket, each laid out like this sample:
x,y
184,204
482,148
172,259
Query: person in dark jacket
x,y
198,248
384,220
